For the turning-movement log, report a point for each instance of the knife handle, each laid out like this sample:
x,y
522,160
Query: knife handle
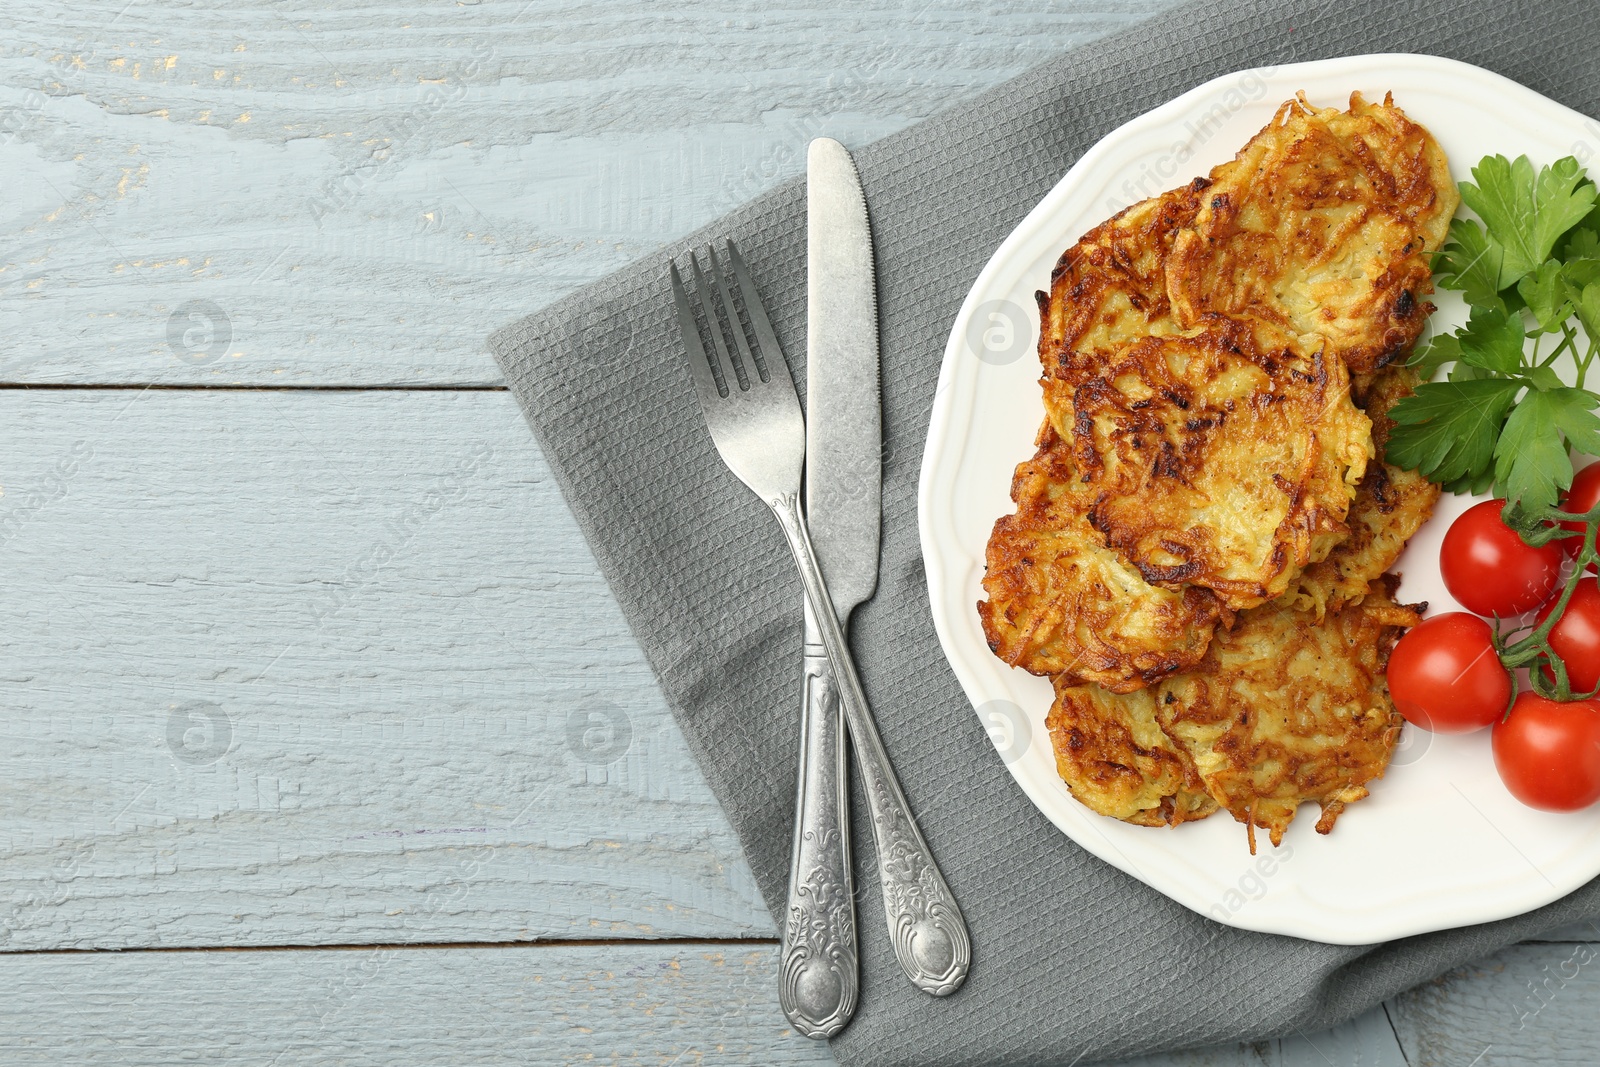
x,y
927,931
819,978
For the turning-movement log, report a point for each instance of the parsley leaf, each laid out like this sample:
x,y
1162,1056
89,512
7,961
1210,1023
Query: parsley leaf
x,y
1531,464
1428,358
1525,214
1584,242
1544,379
1545,293
1448,430
1563,197
1473,485
1587,304
1470,262
1578,273
1492,341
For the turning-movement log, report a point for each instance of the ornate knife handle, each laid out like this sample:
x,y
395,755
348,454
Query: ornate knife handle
x,y
819,978
925,926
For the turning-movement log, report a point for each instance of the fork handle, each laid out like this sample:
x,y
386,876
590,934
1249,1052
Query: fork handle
x,y
925,926
819,977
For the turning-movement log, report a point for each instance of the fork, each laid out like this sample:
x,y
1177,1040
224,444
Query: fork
x,y
753,414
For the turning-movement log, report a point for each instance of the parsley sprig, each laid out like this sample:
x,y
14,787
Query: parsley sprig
x,y
1530,272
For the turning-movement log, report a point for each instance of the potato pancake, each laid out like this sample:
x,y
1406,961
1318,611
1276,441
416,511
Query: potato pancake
x,y
1390,507
1116,760
1200,549
1286,709
1061,603
1222,458
1325,223
1111,286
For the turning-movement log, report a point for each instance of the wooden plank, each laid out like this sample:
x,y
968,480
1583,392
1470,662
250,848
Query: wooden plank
x,y
1581,931
310,668
360,194
1366,1041
1369,1040
417,1007
638,1004
1533,1004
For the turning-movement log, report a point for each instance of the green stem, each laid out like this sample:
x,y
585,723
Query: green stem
x,y
1583,364
1529,650
1569,341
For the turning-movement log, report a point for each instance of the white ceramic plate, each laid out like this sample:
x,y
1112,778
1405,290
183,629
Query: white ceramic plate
x,y
1440,843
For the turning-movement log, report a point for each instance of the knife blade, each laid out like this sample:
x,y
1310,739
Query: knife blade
x,y
819,973
844,435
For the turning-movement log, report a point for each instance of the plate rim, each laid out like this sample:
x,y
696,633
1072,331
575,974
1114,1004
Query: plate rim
x,y
1359,925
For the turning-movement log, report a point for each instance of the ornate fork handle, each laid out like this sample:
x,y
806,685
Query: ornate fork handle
x,y
819,977
929,935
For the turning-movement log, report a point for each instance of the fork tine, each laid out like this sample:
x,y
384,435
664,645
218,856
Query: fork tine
x,y
706,384
777,365
708,300
749,358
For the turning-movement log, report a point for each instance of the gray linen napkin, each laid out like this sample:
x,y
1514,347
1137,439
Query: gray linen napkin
x,y
1072,959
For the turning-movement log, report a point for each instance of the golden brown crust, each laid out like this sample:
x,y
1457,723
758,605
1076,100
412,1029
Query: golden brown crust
x,y
1061,603
1285,709
1325,223
1111,285
1112,754
1222,458
1377,392
1391,505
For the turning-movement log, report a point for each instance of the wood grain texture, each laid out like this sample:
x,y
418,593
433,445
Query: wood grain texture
x,y
1366,1041
632,1004
360,193
647,1004
1532,1005
310,668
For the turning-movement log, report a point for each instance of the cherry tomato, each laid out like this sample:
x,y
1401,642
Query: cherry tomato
x,y
1583,496
1548,752
1576,636
1491,570
1445,676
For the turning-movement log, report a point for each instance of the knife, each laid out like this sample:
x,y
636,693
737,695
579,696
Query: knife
x,y
819,972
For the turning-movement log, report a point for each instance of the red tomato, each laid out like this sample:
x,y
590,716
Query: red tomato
x,y
1445,676
1583,496
1491,570
1576,636
1548,752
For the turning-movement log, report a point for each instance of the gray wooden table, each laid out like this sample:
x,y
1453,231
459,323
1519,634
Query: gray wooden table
x,y
315,706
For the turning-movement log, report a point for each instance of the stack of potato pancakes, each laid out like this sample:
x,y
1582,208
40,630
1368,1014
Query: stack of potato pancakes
x,y
1199,553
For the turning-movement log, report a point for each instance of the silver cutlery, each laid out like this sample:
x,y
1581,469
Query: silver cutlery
x,y
818,969
753,415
